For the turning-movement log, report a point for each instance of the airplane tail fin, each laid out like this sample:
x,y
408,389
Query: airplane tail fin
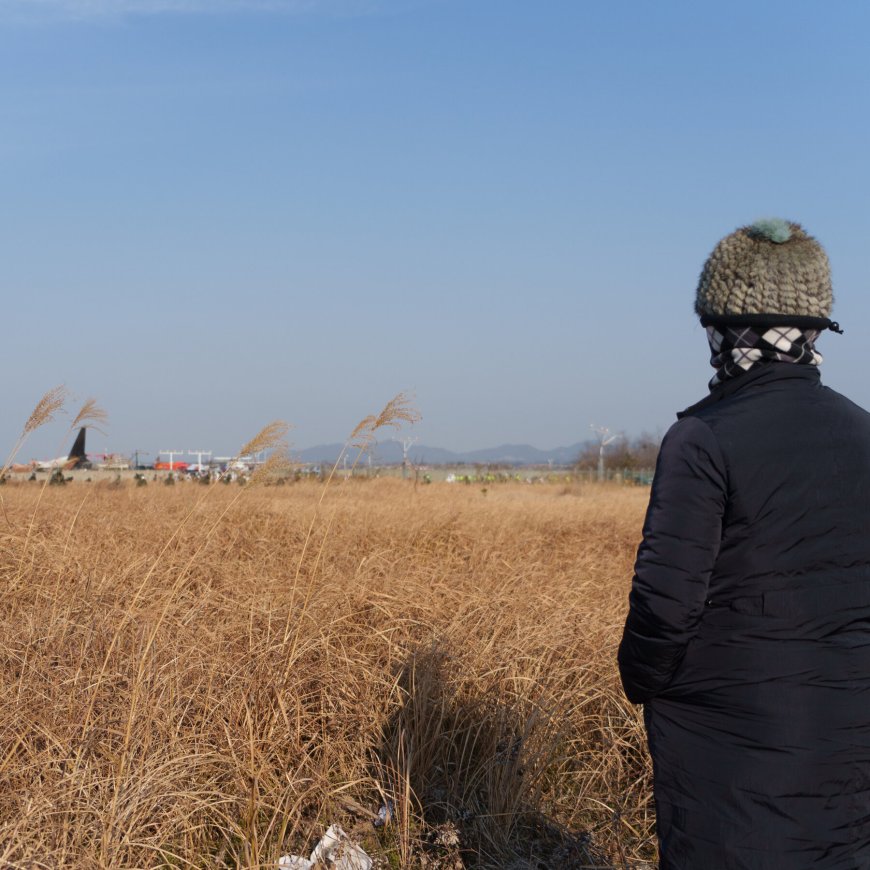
x,y
78,449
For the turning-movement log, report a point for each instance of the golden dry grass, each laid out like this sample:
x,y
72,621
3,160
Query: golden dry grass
x,y
193,681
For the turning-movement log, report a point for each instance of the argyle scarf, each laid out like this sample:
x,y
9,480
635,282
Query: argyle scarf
x,y
737,349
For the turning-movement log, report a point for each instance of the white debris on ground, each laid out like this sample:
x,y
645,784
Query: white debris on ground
x,y
384,816
294,862
335,851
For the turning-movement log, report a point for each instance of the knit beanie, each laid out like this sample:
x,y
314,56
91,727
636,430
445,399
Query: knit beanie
x,y
772,268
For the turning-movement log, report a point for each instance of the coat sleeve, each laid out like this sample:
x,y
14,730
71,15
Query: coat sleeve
x,y
681,537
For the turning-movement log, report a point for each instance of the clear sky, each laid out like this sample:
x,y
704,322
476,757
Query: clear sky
x,y
218,213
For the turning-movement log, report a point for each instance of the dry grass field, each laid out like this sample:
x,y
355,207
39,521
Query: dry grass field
x,y
208,677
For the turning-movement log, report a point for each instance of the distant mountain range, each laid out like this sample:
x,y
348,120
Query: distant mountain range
x,y
389,452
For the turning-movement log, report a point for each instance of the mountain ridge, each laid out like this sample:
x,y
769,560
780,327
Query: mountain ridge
x,y
389,452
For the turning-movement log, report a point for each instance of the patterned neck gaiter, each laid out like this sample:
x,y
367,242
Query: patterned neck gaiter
x,y
738,349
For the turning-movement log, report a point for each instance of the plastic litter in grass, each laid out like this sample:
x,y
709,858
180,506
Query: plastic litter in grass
x,y
335,851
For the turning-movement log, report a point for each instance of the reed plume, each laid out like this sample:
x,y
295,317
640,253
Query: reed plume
x,y
45,411
90,414
400,409
271,437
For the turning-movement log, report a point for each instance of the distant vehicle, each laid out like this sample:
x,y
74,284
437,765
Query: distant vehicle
x,y
76,458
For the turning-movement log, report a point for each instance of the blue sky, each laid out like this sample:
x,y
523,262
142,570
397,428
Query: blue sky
x,y
220,213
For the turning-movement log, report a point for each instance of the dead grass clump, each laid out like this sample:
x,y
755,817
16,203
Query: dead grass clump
x,y
218,706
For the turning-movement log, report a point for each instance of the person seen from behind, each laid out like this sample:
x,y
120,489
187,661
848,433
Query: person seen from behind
x,y
748,633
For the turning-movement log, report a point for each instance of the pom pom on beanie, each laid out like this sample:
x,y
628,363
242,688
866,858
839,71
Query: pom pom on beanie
x,y
773,229
771,267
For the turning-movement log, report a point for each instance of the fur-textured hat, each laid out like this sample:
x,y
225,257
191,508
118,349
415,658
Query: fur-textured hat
x,y
772,267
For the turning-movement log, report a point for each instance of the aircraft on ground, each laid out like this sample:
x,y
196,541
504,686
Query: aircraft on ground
x,y
76,458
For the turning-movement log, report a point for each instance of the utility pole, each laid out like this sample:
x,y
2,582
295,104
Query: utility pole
x,y
604,438
136,453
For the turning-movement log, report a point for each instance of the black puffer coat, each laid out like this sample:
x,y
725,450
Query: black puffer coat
x,y
748,637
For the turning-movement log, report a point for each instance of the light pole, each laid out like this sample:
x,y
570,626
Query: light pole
x,y
199,454
407,443
171,454
604,438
